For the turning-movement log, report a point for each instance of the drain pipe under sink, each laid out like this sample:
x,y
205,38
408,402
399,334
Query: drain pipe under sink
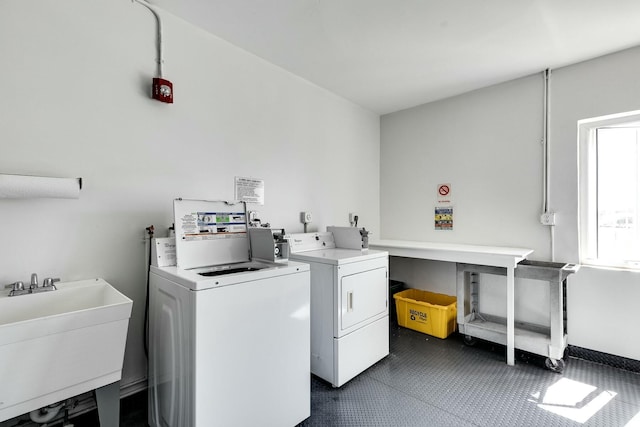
x,y
46,413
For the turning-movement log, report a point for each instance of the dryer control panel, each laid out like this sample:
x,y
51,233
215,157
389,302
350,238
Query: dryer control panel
x,y
303,242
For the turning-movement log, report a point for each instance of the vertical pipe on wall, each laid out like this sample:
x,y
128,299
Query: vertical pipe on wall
x,y
545,142
155,13
546,166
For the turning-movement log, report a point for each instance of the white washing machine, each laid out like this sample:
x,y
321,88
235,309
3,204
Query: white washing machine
x,y
228,337
349,305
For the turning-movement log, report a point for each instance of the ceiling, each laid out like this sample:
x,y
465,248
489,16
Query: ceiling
x,y
388,55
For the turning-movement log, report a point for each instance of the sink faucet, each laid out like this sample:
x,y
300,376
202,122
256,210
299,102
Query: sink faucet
x,y
18,288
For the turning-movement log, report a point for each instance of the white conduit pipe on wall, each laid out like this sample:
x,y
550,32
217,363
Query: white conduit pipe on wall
x,y
545,130
153,10
546,167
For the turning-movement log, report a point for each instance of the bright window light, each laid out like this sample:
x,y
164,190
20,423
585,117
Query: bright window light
x,y
618,151
573,400
609,176
634,422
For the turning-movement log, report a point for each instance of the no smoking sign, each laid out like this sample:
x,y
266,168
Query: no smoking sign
x,y
444,192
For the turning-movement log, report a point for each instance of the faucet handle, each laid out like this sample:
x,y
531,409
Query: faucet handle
x,y
50,282
16,286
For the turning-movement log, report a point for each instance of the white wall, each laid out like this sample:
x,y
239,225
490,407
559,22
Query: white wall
x,y
602,304
75,83
487,144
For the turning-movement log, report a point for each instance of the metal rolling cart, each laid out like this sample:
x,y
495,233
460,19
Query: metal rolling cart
x,y
549,341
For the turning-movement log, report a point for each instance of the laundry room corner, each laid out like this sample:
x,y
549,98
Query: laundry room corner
x,y
77,103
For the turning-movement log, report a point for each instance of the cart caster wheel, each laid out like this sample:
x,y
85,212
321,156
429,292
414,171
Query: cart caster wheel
x,y
469,340
555,365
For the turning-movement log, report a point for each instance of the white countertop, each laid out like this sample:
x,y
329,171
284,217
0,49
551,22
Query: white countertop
x,y
495,256
498,256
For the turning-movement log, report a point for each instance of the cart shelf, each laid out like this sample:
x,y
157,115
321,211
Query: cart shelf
x,y
549,341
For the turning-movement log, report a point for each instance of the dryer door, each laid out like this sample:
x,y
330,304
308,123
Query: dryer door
x,y
363,297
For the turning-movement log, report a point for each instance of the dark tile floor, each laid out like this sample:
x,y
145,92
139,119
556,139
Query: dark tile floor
x,y
427,381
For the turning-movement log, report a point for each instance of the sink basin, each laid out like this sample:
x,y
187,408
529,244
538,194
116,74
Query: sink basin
x,y
58,344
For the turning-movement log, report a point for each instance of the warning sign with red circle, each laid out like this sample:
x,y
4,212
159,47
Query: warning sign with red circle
x,y
444,192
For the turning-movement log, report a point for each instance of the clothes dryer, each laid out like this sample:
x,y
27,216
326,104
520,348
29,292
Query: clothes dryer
x,y
349,305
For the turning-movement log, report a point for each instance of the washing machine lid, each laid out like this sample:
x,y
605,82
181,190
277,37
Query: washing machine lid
x,y
210,233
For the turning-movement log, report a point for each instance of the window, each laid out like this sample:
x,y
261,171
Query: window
x,y
609,176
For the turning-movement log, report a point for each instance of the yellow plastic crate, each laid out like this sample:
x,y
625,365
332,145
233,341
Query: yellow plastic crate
x,y
426,312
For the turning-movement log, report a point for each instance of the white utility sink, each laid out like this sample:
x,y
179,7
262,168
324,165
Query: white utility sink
x,y
57,344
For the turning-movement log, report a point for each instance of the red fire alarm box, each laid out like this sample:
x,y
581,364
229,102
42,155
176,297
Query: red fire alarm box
x,y
162,90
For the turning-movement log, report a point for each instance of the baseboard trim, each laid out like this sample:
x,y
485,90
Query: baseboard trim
x,y
133,387
604,358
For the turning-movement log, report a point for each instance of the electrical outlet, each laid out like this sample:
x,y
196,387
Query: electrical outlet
x,y
306,217
548,218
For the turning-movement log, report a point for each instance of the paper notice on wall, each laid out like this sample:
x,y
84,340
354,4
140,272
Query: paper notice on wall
x,y
250,190
443,218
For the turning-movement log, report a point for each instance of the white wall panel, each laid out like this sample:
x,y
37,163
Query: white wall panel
x,y
76,103
486,143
